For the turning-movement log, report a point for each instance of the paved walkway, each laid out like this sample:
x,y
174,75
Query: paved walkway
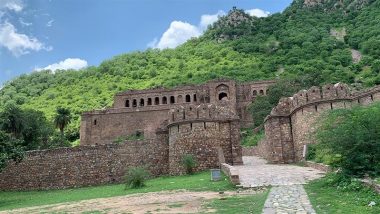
x,y
291,199
288,195
256,172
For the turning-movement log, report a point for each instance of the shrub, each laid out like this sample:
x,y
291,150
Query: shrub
x,y
350,139
189,163
136,177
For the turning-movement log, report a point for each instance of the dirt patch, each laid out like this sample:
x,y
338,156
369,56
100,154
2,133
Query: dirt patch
x,y
159,202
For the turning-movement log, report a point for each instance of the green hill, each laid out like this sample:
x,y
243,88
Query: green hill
x,y
312,40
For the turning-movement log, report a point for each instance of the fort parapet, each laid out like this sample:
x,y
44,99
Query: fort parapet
x,y
289,127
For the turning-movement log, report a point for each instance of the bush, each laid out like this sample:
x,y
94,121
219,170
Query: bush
x,y
350,140
189,162
136,177
250,139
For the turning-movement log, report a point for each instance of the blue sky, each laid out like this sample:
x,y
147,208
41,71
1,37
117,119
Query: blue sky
x,y
56,34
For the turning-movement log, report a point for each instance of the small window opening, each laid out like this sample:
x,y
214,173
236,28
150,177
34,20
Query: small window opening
x,y
149,101
223,96
142,102
254,93
95,122
195,98
261,92
134,103
188,98
157,101
172,100
127,103
164,100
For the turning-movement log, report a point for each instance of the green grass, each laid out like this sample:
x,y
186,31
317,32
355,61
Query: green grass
x,y
329,199
196,182
239,204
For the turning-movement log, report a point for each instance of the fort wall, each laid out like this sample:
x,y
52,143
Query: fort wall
x,y
84,165
291,124
207,132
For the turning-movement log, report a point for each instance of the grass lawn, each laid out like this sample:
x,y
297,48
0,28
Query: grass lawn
x,y
197,182
329,199
239,204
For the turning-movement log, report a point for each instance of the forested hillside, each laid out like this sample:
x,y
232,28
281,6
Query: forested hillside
x,y
312,41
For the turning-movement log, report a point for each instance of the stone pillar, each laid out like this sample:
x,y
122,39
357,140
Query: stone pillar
x,y
235,143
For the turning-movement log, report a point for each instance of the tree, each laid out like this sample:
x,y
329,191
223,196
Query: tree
x,y
10,149
352,138
11,120
62,119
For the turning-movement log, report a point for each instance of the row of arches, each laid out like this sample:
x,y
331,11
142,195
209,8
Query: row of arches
x,y
160,101
259,92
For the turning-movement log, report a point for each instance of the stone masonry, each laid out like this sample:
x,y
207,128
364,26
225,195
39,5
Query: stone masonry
x,y
290,125
200,120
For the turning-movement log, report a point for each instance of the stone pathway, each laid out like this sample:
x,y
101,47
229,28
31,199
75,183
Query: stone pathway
x,y
291,199
287,195
256,172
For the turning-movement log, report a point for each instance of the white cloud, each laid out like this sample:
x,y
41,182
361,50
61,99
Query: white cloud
x,y
15,5
258,12
178,33
208,19
50,23
18,44
69,63
22,22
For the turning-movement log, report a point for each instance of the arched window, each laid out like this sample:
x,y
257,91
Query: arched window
x,y
195,98
95,122
254,93
188,98
164,100
261,92
127,103
149,101
222,96
134,103
157,101
172,100
142,102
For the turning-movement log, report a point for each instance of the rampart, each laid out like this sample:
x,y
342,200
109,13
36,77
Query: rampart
x,y
290,125
210,133
84,165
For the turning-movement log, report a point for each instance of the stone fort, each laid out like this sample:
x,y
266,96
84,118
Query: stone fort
x,y
157,127
152,128
202,120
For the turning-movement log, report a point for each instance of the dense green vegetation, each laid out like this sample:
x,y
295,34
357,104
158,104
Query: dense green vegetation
x,y
332,195
196,182
310,44
239,204
349,139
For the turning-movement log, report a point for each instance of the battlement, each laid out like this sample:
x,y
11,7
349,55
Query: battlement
x,y
314,95
203,112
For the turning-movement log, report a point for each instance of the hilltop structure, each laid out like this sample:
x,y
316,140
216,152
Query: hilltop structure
x,y
202,120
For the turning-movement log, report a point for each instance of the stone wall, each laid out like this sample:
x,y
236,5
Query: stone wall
x,y
203,131
84,165
291,124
